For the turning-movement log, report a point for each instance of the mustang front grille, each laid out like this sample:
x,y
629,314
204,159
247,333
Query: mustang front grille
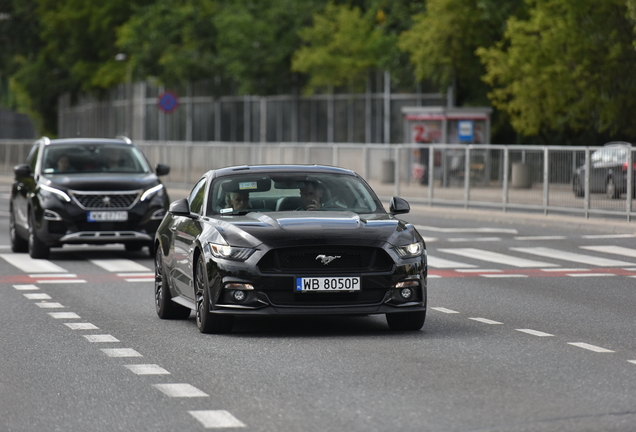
x,y
106,200
325,259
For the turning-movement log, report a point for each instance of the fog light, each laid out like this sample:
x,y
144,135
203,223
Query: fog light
x,y
406,293
239,295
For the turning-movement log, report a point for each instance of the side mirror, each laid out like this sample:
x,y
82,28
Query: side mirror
x,y
22,170
180,207
162,170
399,206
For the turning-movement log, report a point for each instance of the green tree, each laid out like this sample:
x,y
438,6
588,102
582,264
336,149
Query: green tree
x,y
568,68
443,40
340,48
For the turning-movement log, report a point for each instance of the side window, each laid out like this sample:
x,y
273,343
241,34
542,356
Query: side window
x,y
197,196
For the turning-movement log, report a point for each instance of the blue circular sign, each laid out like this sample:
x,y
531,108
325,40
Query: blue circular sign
x,y
168,102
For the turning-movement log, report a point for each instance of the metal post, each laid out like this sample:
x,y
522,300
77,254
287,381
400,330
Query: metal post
x,y
506,169
263,131
431,173
630,182
466,176
396,171
586,200
546,179
387,107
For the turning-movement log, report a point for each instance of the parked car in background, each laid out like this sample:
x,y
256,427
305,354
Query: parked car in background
x,y
85,191
609,168
288,240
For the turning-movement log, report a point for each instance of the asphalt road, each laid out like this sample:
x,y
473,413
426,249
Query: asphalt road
x,y
531,327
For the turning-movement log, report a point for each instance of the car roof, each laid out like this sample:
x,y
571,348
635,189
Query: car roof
x,y
617,143
265,169
87,141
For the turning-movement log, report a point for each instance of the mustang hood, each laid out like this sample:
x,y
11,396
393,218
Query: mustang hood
x,y
282,229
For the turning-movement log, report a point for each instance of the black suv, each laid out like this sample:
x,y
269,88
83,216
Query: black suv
x,y
85,191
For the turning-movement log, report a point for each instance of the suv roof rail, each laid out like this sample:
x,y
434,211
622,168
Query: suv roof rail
x,y
45,139
124,138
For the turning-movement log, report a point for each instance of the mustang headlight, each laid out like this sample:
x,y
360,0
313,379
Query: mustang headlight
x,y
48,190
152,192
410,250
230,252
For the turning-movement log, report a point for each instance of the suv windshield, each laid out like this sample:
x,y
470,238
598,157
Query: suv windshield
x,y
70,159
289,192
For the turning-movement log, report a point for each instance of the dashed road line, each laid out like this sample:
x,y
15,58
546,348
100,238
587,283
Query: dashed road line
x,y
37,296
51,305
103,338
572,256
444,310
180,390
81,326
535,332
25,287
64,315
147,369
496,275
590,347
589,274
216,419
485,320
121,352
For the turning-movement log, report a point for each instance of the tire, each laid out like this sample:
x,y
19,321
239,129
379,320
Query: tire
x,y
18,244
166,308
611,190
37,248
207,322
406,321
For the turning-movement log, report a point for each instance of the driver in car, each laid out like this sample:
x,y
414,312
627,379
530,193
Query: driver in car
x,y
311,195
238,200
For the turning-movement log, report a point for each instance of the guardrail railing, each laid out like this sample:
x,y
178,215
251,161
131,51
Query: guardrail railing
x,y
578,180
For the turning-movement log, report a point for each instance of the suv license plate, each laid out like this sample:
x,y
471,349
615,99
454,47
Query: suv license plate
x,y
323,284
107,216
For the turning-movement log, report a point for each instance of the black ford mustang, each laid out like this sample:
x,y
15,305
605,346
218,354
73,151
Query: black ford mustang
x,y
288,240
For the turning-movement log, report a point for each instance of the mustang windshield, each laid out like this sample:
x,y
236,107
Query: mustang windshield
x,y
241,194
81,159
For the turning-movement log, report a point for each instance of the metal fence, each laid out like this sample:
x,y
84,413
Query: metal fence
x,y
504,177
15,126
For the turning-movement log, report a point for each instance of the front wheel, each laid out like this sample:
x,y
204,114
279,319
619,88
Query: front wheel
x,y
207,322
578,187
166,308
37,248
406,321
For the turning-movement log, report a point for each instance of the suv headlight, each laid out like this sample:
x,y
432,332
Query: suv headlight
x,y
410,251
46,191
230,252
151,192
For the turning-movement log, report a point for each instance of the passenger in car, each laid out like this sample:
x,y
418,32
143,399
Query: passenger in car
x,y
64,165
238,200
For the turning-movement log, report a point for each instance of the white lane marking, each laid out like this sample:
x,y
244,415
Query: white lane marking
x,y
216,419
541,238
466,230
180,390
61,281
81,326
64,315
473,239
26,287
29,265
485,321
479,271
121,352
429,239
572,256
590,347
53,275
590,274
607,236
439,277
101,338
148,274
441,263
565,270
37,296
52,305
119,265
484,255
444,310
632,361
503,275
535,332
616,250
139,279
147,369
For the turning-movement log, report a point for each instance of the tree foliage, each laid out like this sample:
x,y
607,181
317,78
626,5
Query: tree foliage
x,y
569,66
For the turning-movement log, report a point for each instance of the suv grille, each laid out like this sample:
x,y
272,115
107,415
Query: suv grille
x,y
307,259
106,200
